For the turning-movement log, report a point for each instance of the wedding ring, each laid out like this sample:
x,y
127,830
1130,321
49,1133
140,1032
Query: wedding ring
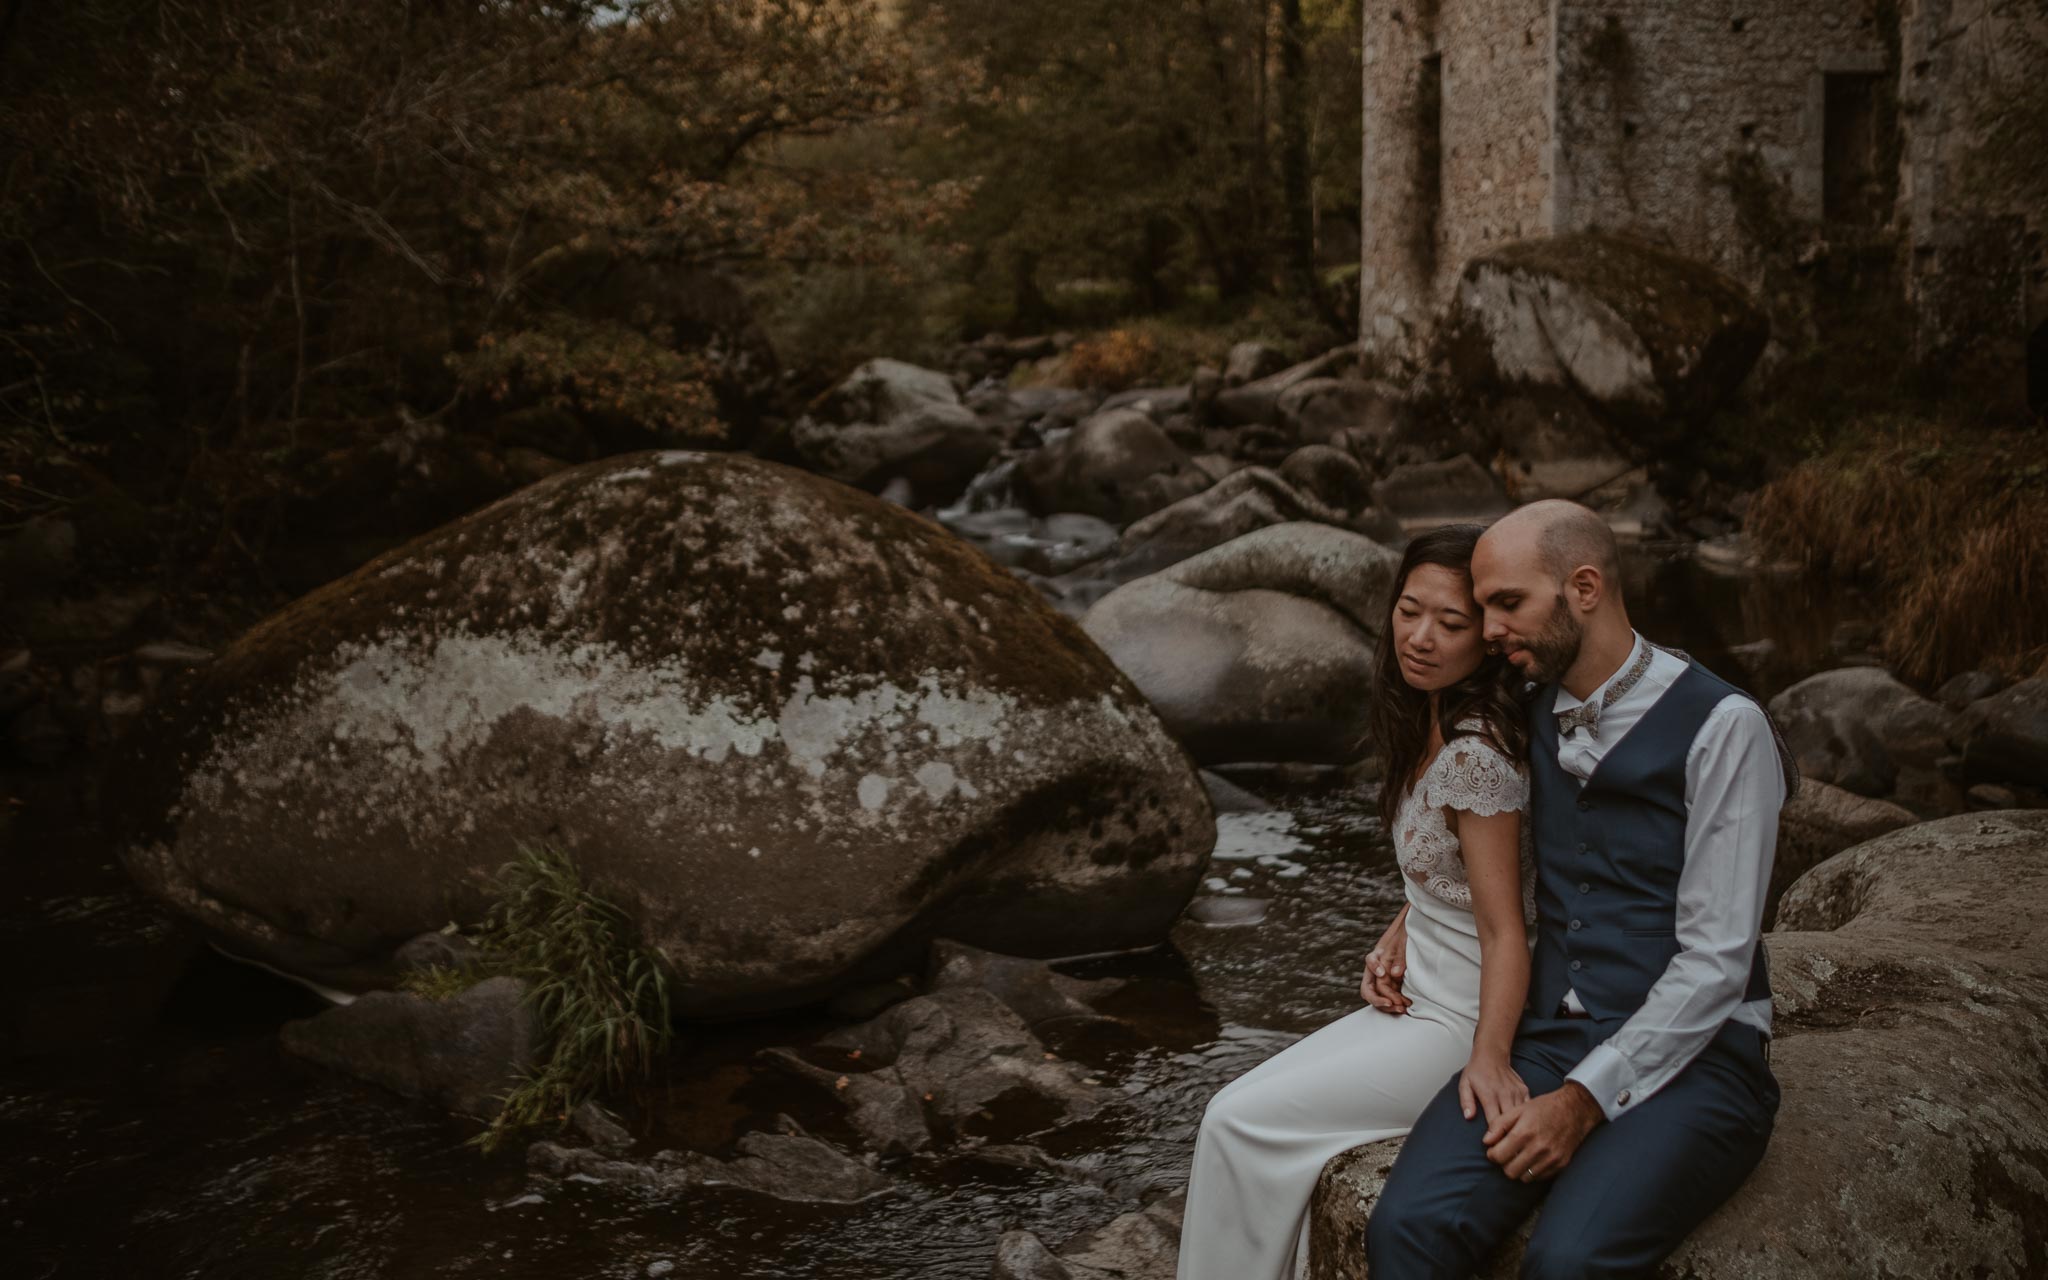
x,y
1528,1175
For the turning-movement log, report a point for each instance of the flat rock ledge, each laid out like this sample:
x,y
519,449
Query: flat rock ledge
x,y
1912,1006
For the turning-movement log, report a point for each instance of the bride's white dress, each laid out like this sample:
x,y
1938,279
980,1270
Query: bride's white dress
x,y
1367,1076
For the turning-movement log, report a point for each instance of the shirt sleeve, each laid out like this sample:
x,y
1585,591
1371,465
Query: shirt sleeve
x,y
1734,787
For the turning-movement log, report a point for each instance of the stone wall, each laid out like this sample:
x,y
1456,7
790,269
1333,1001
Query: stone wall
x,y
1457,150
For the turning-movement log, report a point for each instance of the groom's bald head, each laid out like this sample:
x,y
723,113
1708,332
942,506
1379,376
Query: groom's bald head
x,y
1563,536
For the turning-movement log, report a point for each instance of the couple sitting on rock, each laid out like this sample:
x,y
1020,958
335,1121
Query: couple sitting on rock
x,y
1613,1067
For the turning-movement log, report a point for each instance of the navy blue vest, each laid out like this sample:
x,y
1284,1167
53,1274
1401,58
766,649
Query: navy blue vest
x,y
1608,855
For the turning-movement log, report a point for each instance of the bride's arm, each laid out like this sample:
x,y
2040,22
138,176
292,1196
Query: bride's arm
x,y
1492,847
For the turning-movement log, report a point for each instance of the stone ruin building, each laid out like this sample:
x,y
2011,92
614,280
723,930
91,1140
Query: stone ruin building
x,y
1814,150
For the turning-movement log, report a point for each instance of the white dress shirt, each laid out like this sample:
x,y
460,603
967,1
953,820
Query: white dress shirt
x,y
1734,787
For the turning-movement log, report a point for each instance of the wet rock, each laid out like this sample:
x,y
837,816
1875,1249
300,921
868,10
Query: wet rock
x,y
792,1167
600,1129
893,422
1553,447
1819,822
1258,401
791,732
1228,797
1156,403
1117,465
1250,361
1032,989
1320,410
949,1056
1862,730
1986,796
2005,735
1329,475
1912,1002
1959,692
1646,339
858,1004
1241,502
1221,911
1442,492
1260,649
1142,1245
438,950
465,1052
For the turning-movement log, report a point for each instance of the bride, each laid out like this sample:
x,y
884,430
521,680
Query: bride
x,y
1444,712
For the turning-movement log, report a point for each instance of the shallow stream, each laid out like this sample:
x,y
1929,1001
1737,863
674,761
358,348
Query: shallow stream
x,y
153,1127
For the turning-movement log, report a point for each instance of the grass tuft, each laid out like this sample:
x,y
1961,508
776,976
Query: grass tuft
x,y
600,998
1949,524
441,982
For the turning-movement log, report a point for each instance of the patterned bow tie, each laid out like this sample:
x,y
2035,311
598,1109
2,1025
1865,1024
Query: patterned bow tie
x,y
1587,714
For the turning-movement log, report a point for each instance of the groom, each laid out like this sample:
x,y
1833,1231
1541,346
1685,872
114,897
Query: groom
x,y
1655,793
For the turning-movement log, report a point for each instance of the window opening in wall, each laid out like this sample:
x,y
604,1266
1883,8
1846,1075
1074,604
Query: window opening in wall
x,y
1855,189
1429,160
2037,368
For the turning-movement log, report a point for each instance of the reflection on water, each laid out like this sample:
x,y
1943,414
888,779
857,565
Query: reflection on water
x,y
154,1128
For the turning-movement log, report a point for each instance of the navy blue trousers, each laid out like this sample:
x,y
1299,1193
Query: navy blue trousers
x,y
1630,1195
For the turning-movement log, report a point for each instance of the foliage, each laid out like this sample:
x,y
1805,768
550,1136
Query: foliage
x,y
600,999
1157,144
440,982
225,218
1951,524
1112,361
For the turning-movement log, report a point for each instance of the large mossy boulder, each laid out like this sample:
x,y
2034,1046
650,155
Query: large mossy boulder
x,y
1259,649
1649,340
792,731
1911,976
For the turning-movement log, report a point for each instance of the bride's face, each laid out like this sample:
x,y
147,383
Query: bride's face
x,y
1436,628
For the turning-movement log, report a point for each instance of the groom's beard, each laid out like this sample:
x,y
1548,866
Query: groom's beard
x,y
1555,648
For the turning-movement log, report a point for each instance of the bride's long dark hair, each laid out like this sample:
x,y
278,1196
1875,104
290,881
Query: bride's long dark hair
x,y
1399,713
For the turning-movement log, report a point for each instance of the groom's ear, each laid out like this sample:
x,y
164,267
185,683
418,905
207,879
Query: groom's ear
x,y
1585,587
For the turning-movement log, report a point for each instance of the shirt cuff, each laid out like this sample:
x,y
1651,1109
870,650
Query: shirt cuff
x,y
1609,1078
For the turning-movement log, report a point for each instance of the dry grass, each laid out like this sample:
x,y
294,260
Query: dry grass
x,y
1113,361
1950,525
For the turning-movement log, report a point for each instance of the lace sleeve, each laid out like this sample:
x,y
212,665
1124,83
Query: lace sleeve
x,y
1477,778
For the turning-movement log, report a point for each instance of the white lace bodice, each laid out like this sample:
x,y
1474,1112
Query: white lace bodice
x,y
1472,775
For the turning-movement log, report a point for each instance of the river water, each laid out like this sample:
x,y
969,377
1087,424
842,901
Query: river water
x,y
153,1128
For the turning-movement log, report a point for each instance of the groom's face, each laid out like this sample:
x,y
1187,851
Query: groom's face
x,y
1527,618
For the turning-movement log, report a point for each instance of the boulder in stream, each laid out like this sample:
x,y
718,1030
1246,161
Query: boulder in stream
x,y
1260,649
793,733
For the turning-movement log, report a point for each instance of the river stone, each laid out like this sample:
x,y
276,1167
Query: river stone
x,y
1250,361
1820,821
1258,401
465,1052
1260,649
1442,492
1646,338
1862,730
792,732
2005,735
1911,975
1319,410
891,422
1140,1245
1245,500
1033,989
794,1167
1117,465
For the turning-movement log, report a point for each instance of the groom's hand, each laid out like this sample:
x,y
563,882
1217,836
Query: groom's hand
x,y
1538,1139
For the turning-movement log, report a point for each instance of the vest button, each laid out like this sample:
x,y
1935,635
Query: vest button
x,y
1577,925
1585,804
1576,966
1584,887
1584,847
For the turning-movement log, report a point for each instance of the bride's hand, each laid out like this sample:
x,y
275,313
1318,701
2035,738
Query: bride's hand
x,y
1385,966
1488,1083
